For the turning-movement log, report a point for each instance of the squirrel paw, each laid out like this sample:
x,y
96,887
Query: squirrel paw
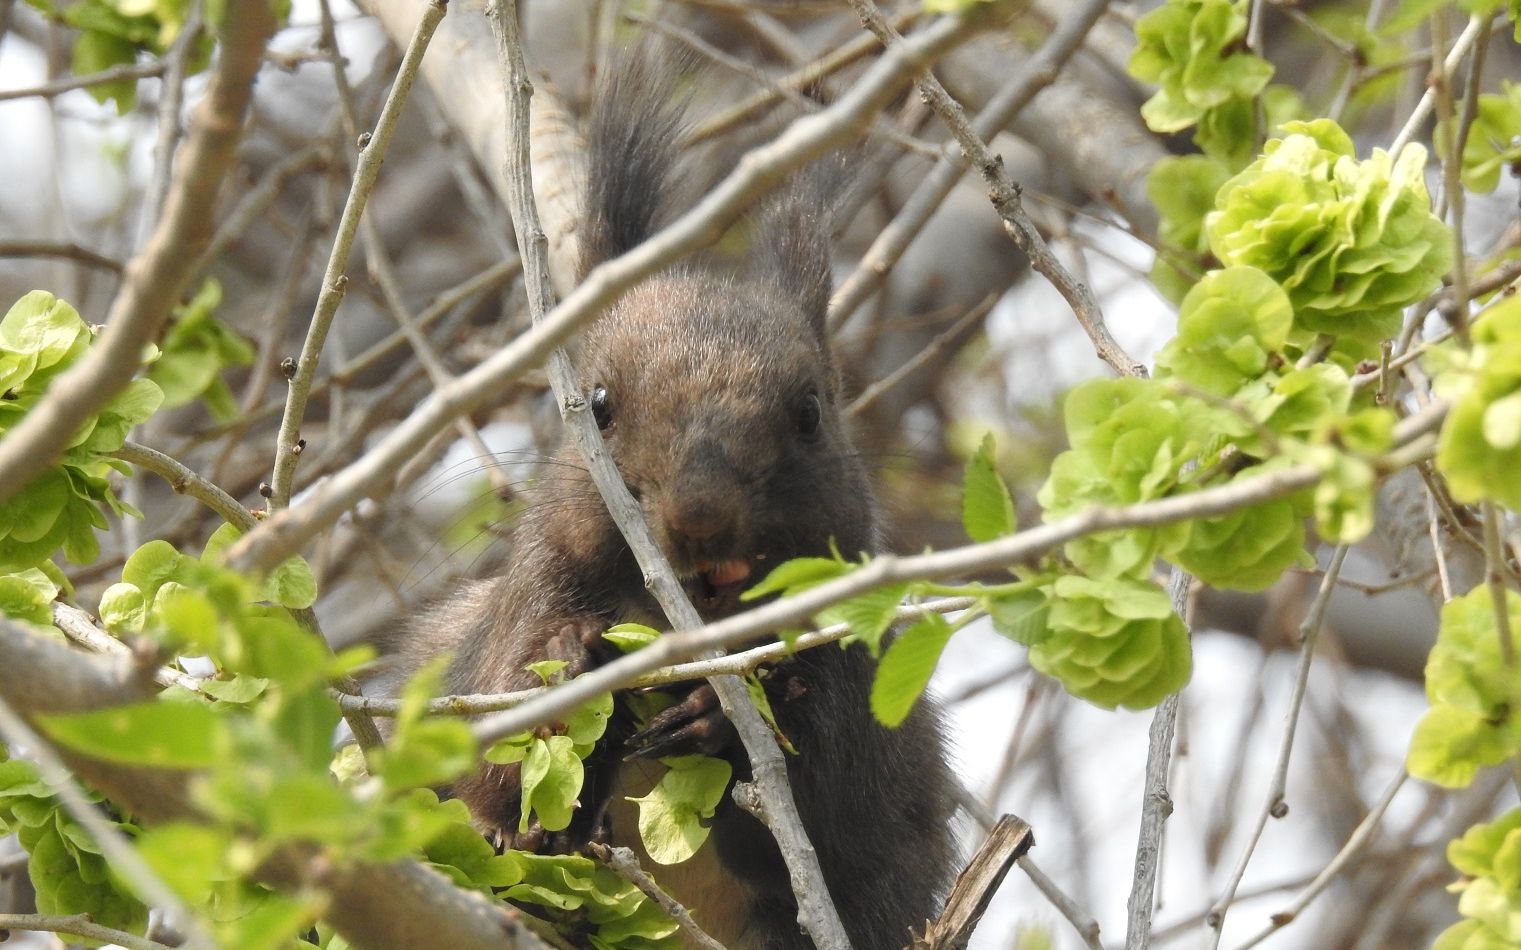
x,y
538,841
578,643
695,726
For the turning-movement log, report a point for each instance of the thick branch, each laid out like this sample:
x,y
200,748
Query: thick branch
x,y
158,276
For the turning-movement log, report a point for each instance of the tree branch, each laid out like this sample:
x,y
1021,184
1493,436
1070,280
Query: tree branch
x,y
159,274
372,153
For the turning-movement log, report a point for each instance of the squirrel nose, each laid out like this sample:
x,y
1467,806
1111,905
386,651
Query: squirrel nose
x,y
697,519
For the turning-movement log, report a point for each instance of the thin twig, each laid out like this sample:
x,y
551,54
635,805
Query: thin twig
x,y
170,100
64,249
879,126
1275,806
623,863
1005,196
186,481
1036,74
1465,41
58,87
810,74
1356,842
1156,803
930,352
160,272
77,925
1494,579
730,664
334,282
1083,922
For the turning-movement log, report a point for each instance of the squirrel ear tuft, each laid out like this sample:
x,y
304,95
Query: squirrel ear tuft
x,y
793,241
632,130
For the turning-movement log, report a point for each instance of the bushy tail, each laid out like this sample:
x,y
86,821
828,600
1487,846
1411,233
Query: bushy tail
x,y
632,132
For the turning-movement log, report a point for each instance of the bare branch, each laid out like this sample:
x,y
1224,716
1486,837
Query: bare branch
x,y
67,250
1006,201
1275,806
58,87
371,154
625,865
76,925
157,277
1009,841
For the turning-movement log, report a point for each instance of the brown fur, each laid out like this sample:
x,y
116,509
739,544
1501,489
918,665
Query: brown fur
x,y
707,379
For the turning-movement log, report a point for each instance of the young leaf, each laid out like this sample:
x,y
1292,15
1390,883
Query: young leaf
x,y
671,816
987,510
629,637
906,668
798,574
159,734
552,776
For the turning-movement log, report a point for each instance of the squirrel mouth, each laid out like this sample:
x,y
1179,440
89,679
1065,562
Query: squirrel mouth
x,y
717,584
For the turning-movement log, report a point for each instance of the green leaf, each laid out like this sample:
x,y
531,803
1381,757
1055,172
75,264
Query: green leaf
x,y
868,615
629,637
551,779
906,668
150,566
798,574
1450,745
28,596
122,609
1232,324
987,509
586,725
672,815
158,734
241,689
292,584
1020,614
548,671
757,691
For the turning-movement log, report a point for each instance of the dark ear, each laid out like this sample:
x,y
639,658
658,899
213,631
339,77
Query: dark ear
x,y
793,239
632,134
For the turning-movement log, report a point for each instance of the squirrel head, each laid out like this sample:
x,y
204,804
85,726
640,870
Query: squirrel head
x,y
718,397
720,405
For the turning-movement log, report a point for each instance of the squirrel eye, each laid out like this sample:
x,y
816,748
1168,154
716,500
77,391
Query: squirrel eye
x,y
810,414
602,408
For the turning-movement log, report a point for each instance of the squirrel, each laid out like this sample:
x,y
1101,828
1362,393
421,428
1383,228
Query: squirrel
x,y
719,401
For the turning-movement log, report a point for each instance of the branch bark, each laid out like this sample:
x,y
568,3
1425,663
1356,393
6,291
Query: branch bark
x,y
160,273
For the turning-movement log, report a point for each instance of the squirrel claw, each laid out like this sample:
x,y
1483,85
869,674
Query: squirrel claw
x,y
695,726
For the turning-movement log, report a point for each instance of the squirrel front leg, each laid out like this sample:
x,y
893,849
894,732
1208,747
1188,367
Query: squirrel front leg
x,y
494,793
